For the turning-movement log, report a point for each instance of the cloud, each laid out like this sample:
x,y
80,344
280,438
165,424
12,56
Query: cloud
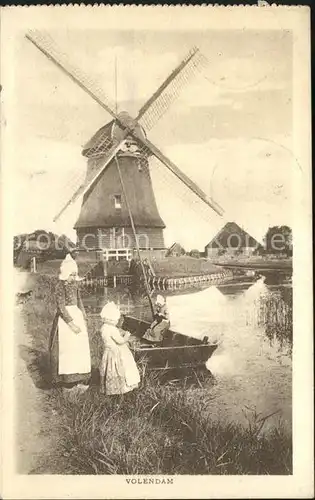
x,y
224,80
239,73
254,190
248,78
137,77
40,197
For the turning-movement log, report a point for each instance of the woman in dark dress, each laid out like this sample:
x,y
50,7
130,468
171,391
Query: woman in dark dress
x,y
69,348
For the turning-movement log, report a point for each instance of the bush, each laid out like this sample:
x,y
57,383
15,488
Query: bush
x,y
194,253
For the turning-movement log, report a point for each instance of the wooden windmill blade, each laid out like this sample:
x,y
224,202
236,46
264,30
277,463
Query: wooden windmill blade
x,y
169,90
46,45
159,103
86,187
182,176
154,108
177,78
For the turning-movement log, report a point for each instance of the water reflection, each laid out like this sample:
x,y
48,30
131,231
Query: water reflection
x,y
253,319
209,310
275,313
270,307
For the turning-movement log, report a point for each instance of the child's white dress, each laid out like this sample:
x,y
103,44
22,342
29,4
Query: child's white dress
x,y
118,366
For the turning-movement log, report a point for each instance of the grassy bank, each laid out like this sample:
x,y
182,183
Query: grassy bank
x,y
160,430
184,266
256,262
168,267
157,429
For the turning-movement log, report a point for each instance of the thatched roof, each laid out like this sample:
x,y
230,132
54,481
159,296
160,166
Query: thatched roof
x,y
176,247
104,138
225,238
98,208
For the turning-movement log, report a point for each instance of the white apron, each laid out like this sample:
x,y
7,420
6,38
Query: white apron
x,y
74,349
132,375
120,358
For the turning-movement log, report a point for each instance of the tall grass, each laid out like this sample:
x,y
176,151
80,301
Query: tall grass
x,y
159,430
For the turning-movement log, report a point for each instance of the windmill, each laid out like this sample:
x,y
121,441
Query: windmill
x,y
118,201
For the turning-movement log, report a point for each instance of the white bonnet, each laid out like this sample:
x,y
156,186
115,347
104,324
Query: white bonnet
x,y
110,312
67,267
160,300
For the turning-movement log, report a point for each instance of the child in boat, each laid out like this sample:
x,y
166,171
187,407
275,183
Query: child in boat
x,y
118,371
161,322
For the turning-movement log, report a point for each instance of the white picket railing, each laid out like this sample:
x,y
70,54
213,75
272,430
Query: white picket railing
x,y
117,253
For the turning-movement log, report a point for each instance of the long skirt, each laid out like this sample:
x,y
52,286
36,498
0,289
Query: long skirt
x,y
70,358
156,333
119,370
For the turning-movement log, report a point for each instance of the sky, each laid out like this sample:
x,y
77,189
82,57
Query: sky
x,y
230,129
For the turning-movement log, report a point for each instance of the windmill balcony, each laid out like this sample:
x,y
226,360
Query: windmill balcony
x,y
117,254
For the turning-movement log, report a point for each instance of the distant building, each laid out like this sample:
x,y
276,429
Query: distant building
x,y
231,240
40,244
176,250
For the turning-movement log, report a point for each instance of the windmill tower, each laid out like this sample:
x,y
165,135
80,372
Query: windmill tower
x,y
104,218
118,202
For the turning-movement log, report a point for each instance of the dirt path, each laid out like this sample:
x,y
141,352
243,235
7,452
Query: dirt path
x,y
32,440
35,418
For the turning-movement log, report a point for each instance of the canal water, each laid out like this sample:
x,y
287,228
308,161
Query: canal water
x,y
252,366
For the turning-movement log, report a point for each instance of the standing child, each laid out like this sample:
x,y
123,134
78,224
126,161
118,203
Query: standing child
x,y
118,370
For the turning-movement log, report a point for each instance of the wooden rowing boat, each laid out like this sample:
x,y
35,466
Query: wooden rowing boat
x,y
176,350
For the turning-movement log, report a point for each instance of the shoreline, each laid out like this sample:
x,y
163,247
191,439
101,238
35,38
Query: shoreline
x,y
79,443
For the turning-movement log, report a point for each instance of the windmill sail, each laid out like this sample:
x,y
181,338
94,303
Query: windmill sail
x,y
170,89
183,177
47,46
149,113
155,107
86,187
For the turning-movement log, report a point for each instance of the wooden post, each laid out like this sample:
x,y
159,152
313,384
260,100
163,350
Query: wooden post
x,y
33,264
135,236
105,267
